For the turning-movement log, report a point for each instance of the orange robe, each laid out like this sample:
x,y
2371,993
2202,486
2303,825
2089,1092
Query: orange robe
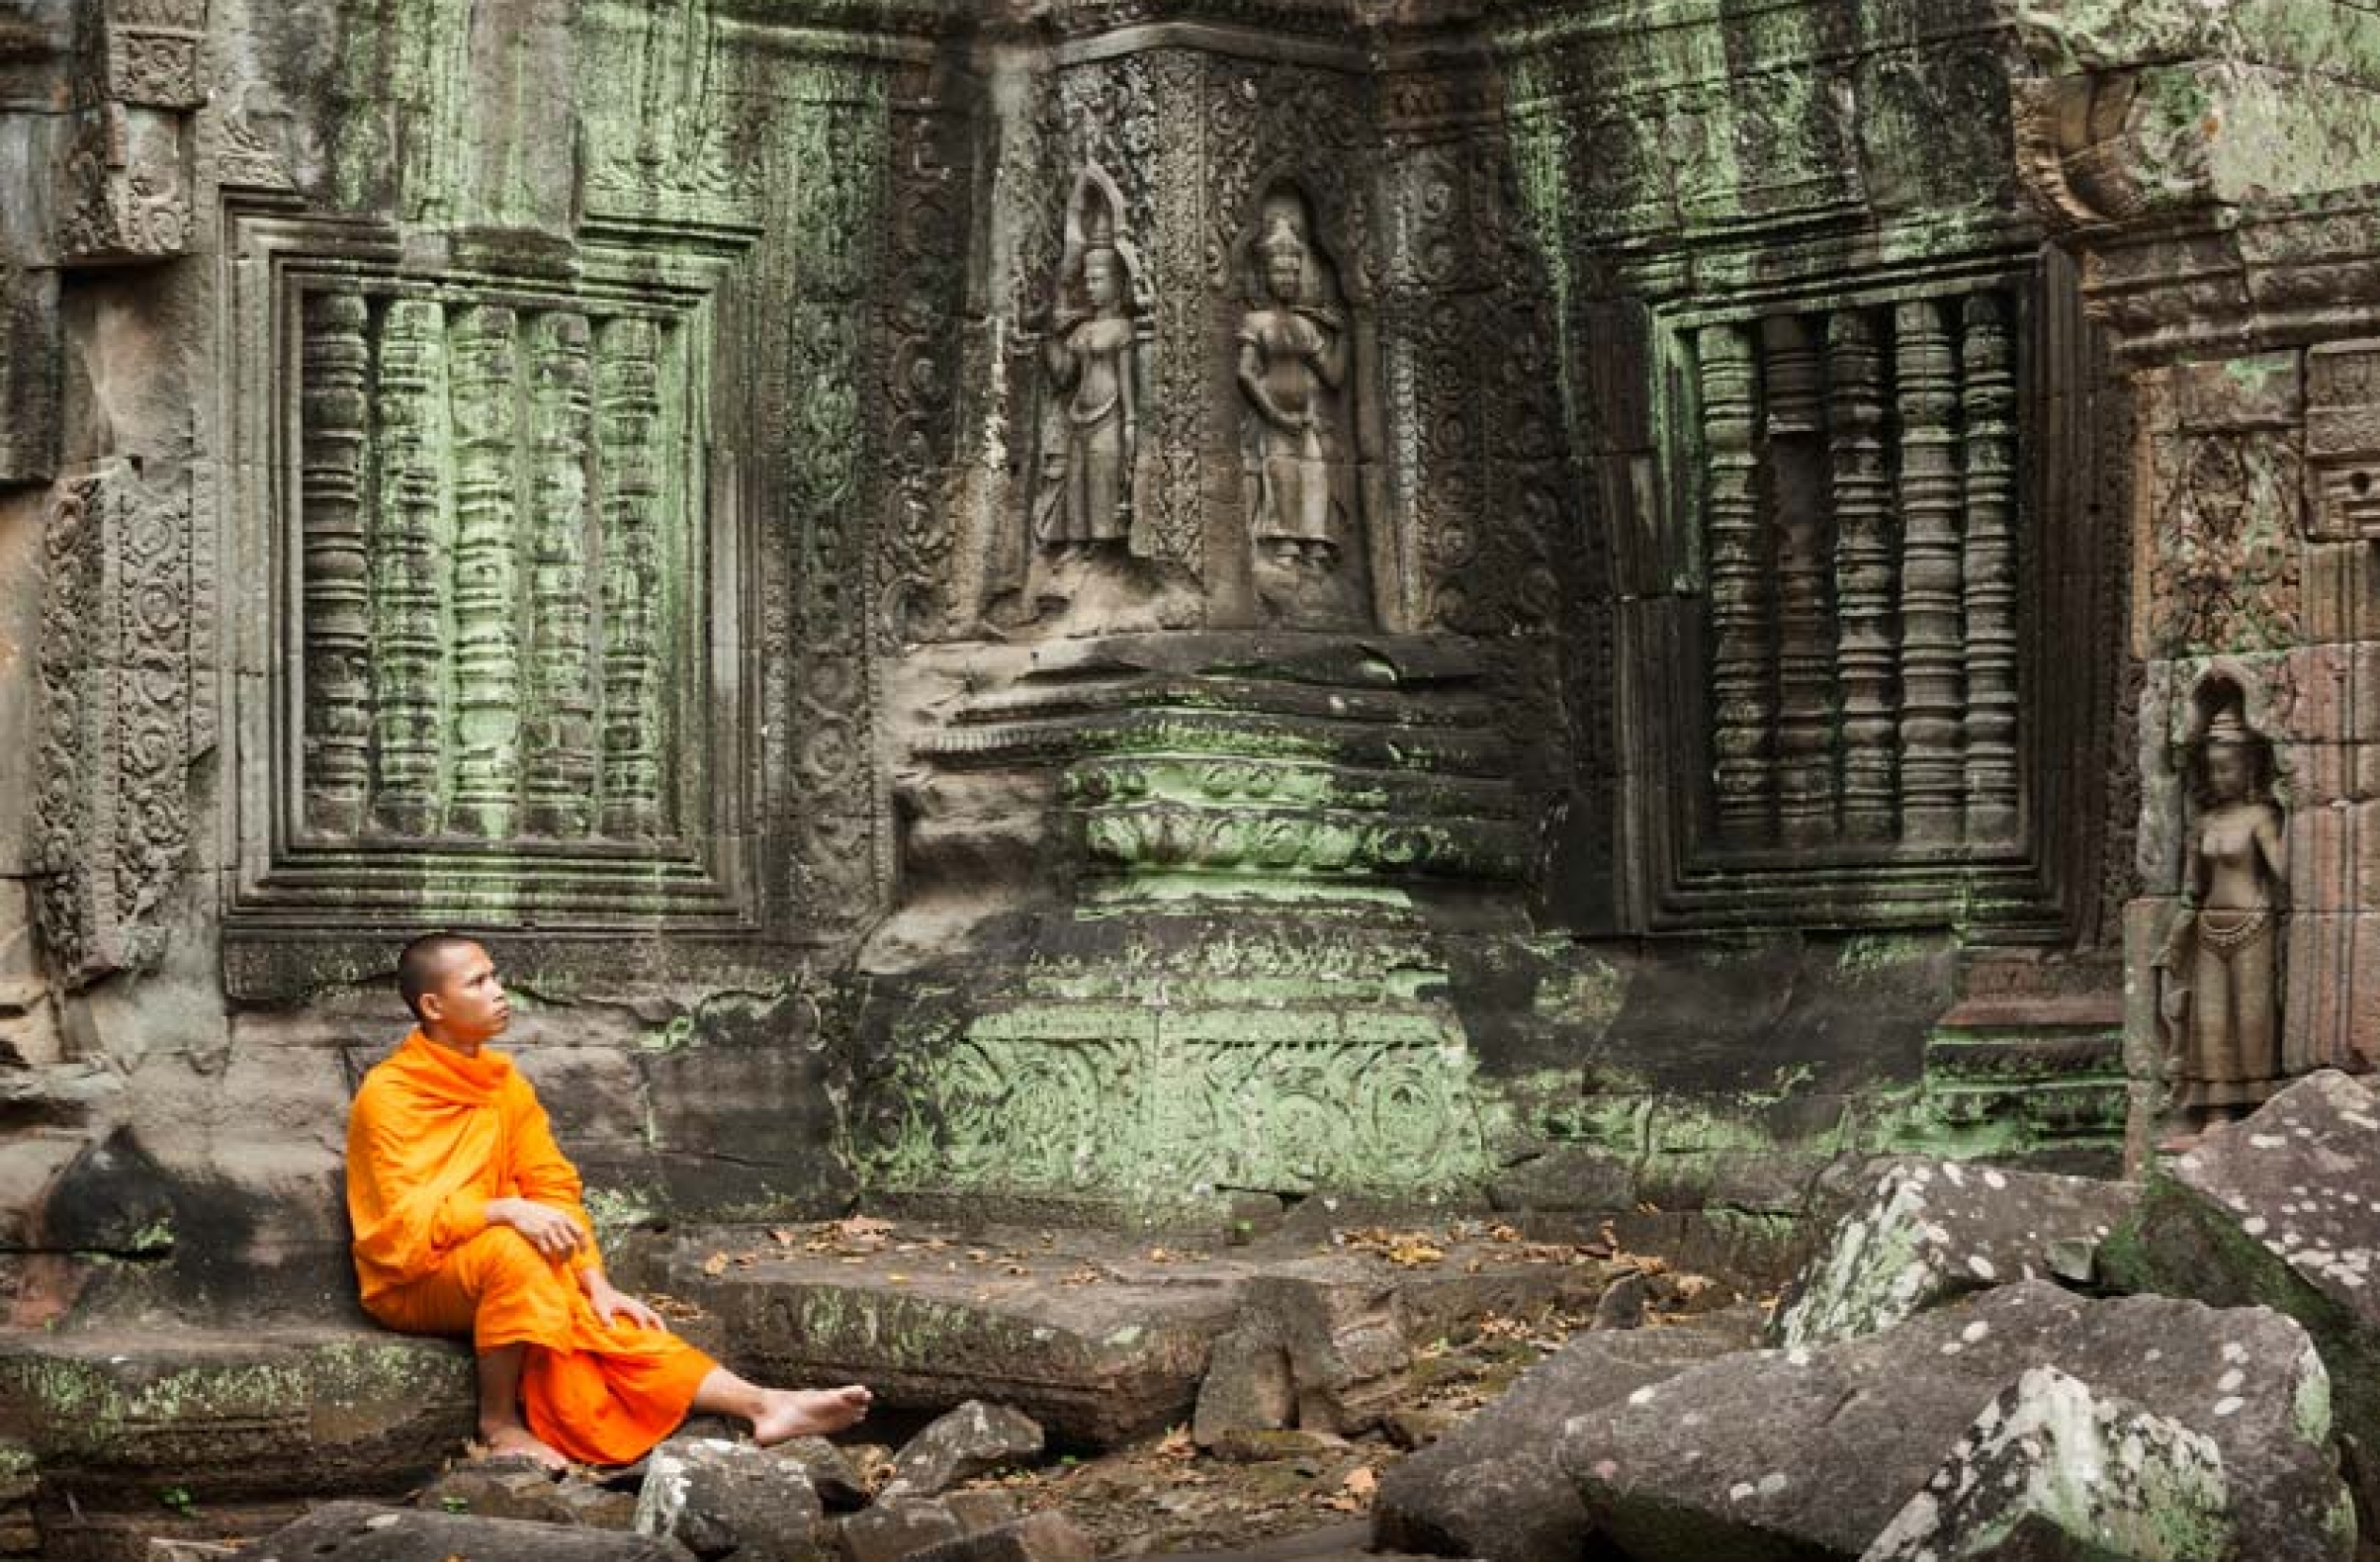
x,y
432,1138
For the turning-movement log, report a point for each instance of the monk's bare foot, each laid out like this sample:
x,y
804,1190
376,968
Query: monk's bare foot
x,y
519,1442
786,1413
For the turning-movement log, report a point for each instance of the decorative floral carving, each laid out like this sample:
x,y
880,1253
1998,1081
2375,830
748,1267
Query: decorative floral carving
x,y
2224,575
114,816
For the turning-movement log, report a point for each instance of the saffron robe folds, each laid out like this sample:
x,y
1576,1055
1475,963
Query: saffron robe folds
x,y
432,1138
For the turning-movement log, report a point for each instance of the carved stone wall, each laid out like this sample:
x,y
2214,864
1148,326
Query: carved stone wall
x,y
1839,425
2232,263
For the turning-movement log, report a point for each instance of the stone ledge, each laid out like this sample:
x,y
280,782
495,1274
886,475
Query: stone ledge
x,y
113,1419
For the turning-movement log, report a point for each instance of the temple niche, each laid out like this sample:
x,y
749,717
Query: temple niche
x,y
1082,564
2219,987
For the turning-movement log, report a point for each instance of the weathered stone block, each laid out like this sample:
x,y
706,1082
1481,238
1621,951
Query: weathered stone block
x,y
1090,1363
1247,1387
832,1472
2054,1471
1847,1435
1929,1231
719,1499
974,1439
360,1531
1491,1487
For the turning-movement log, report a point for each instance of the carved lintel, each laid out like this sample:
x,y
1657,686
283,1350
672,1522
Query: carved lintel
x,y
112,819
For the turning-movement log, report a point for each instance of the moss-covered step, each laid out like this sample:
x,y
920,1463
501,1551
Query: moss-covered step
x,y
159,1423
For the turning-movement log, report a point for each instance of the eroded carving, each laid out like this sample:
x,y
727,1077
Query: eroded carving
x,y
113,820
1292,356
2218,978
461,467
1090,424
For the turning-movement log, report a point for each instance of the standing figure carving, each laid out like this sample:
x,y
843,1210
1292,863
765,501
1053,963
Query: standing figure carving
x,y
1091,431
2219,1001
1293,363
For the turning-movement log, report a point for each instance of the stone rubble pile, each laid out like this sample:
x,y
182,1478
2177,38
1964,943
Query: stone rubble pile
x,y
1983,1364
706,1499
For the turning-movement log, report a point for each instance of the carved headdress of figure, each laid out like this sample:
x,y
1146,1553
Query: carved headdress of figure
x,y
1282,238
2228,728
1098,249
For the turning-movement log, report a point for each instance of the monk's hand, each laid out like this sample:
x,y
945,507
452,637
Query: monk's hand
x,y
548,1230
611,1303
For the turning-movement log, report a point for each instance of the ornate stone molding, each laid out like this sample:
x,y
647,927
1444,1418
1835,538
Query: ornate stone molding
x,y
120,593
125,174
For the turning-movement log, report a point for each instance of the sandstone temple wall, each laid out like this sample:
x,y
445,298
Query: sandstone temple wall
x,y
761,507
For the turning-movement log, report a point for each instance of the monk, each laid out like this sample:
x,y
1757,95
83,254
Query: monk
x,y
468,1221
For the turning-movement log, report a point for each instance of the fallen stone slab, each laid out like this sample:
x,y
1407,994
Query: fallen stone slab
x,y
2054,1471
364,1532
981,1508
1046,1537
1929,1230
1091,1363
725,1499
2283,1209
1097,1338
974,1439
1491,1487
1811,1452
234,1418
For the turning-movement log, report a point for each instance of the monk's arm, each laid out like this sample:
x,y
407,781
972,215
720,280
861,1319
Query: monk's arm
x,y
545,1175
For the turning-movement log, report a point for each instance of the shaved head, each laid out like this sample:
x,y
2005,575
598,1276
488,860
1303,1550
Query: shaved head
x,y
424,964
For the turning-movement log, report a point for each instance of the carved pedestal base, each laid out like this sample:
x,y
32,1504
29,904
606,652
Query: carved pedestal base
x,y
1211,865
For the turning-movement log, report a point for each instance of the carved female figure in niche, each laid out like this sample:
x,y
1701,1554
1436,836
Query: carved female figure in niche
x,y
1292,354
2219,1002
1092,355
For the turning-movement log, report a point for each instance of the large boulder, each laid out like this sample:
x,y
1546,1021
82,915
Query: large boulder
x,y
721,1499
1812,1453
1491,1487
2053,1472
1928,1231
362,1532
2282,1210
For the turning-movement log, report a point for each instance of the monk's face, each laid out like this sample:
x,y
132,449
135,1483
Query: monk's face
x,y
469,1005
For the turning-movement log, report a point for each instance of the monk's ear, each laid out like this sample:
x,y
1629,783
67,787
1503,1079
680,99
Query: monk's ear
x,y
432,1007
